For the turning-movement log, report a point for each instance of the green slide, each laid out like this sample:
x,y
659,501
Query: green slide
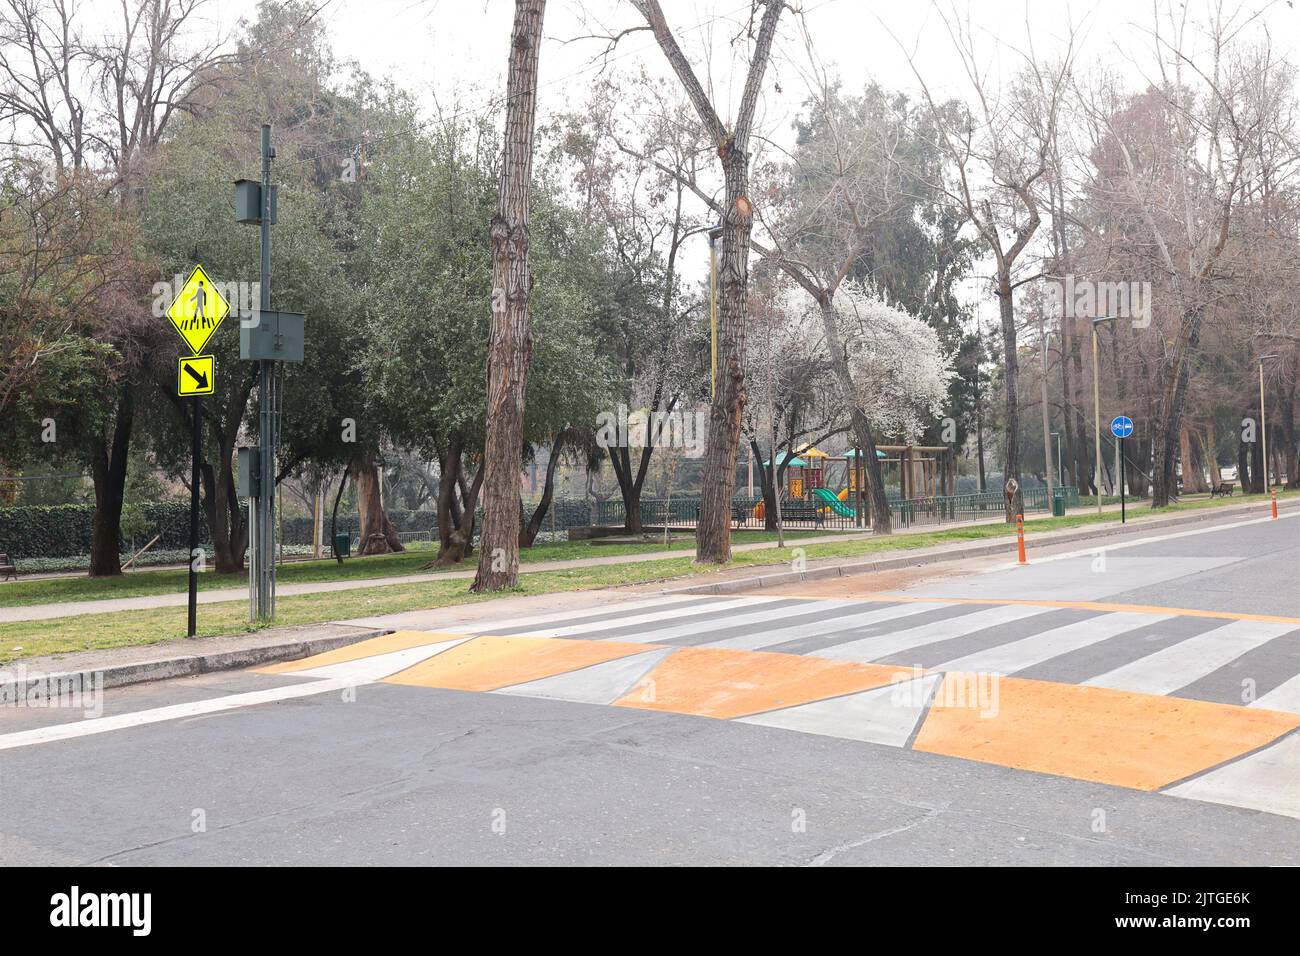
x,y
826,495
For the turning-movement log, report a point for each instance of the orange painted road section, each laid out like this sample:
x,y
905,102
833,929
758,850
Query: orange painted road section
x,y
1121,738
712,682
1141,741
490,663
387,644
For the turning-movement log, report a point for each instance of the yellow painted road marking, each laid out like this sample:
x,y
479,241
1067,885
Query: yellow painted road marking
x,y
713,682
1140,741
385,644
490,663
1078,605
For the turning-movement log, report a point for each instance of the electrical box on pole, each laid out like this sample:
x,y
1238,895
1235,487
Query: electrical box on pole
x,y
249,472
275,337
268,338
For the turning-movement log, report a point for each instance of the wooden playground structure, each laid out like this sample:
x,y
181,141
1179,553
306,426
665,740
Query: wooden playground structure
x,y
836,483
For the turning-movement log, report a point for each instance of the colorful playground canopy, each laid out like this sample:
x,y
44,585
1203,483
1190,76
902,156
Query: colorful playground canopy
x,y
787,460
853,453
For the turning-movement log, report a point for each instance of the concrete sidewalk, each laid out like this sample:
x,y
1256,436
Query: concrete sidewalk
x,y
42,612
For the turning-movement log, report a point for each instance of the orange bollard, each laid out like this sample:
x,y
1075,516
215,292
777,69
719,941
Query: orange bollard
x,y
1020,538
1275,503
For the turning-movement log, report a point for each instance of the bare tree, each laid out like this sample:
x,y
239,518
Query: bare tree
x,y
999,149
718,479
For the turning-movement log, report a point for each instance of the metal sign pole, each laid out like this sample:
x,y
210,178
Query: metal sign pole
x,y
195,451
1119,471
265,598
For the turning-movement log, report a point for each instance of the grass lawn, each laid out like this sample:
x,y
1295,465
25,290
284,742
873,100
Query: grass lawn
x,y
23,593
37,638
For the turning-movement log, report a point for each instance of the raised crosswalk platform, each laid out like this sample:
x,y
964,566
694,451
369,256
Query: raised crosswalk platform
x,y
1131,696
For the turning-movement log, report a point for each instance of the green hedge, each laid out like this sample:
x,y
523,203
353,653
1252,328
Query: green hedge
x,y
56,531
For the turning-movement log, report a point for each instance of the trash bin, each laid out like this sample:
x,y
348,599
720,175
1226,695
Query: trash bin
x,y
1058,503
343,545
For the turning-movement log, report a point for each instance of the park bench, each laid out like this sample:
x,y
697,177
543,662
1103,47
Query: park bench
x,y
798,513
1223,490
7,567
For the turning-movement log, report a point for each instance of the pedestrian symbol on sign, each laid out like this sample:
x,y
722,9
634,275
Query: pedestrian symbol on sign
x,y
197,310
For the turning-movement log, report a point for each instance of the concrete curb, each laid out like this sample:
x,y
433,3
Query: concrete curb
x,y
35,686
957,552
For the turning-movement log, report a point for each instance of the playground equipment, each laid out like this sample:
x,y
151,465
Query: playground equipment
x,y
835,502
918,471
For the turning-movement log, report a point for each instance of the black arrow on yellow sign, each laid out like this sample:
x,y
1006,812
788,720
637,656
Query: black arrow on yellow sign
x,y
196,375
200,380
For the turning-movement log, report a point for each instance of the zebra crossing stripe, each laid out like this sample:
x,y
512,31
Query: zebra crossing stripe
x,y
551,617
1018,655
884,645
1167,670
1286,697
634,625
766,638
760,618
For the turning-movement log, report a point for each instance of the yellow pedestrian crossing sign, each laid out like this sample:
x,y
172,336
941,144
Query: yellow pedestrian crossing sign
x,y
196,375
198,310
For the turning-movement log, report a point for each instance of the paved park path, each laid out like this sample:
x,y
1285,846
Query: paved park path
x,y
41,612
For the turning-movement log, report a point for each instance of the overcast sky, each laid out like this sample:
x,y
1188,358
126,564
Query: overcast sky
x,y
445,47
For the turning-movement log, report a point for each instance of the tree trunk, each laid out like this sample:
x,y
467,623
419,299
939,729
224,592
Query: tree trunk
x,y
109,474
1289,455
1193,475
510,344
1083,467
766,485
460,542
1257,463
528,534
718,477
875,482
1168,423
1211,450
377,534
1011,374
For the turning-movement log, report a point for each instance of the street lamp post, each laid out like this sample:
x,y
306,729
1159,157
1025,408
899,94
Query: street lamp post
x,y
1096,409
1047,444
1263,420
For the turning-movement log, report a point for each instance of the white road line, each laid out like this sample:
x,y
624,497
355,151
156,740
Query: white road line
x,y
648,618
883,645
1026,652
102,725
491,626
751,642
1285,696
763,618
1178,665
1153,539
366,669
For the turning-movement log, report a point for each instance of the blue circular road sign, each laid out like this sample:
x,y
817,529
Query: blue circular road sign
x,y
1121,426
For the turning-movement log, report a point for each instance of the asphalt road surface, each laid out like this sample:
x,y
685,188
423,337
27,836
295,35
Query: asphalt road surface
x,y
1133,703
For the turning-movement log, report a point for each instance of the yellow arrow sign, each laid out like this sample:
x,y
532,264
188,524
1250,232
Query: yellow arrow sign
x,y
196,375
198,310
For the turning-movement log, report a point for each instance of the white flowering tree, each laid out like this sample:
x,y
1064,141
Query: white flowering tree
x,y
899,369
